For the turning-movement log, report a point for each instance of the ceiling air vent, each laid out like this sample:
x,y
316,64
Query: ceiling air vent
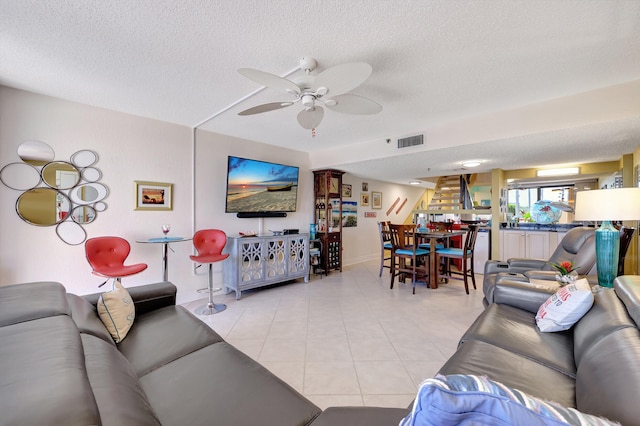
x,y
410,141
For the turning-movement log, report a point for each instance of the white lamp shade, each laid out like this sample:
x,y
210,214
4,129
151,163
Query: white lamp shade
x,y
608,204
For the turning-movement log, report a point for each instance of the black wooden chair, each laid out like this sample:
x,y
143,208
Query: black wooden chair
x,y
465,254
406,257
385,245
625,240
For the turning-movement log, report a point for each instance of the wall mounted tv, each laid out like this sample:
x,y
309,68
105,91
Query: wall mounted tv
x,y
259,188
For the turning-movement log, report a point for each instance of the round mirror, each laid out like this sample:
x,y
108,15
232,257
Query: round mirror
x,y
60,175
35,153
43,206
20,176
83,214
84,158
91,174
89,193
71,233
100,206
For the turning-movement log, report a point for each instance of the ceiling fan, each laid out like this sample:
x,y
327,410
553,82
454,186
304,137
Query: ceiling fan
x,y
327,88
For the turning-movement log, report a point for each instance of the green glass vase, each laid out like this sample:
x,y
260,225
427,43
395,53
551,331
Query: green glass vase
x,y
607,252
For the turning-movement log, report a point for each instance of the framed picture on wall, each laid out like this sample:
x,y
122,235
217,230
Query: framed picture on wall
x,y
153,195
364,199
346,191
376,200
365,186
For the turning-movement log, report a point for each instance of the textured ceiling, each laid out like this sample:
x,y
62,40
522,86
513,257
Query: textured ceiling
x,y
513,83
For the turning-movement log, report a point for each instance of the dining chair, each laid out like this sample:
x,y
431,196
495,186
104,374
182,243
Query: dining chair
x,y
385,245
465,254
442,226
406,257
106,255
626,234
427,245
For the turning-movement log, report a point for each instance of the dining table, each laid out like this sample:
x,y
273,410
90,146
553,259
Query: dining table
x,y
433,236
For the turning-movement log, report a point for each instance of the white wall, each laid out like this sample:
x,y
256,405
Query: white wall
x,y
129,148
362,242
133,148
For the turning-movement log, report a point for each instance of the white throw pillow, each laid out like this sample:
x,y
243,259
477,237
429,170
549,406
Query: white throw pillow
x,y
565,307
117,311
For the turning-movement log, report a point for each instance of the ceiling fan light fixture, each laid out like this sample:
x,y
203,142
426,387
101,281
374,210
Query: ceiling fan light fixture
x,y
308,101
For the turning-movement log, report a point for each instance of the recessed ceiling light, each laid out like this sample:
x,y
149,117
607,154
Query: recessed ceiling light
x,y
471,163
414,182
558,172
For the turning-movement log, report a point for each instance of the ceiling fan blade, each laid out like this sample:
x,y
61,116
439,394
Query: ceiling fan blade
x,y
270,80
353,104
265,108
342,78
311,118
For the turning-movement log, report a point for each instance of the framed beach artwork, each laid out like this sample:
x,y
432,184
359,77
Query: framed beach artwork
x,y
364,199
349,214
376,200
347,191
153,195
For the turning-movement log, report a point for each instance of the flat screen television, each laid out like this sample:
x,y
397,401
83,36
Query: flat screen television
x,y
256,187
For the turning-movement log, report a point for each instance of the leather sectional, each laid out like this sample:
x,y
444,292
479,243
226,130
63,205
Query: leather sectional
x,y
59,365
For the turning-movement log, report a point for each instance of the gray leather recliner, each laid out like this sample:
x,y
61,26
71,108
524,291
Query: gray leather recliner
x,y
578,246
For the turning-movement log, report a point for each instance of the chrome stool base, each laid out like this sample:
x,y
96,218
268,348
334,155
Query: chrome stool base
x,y
210,309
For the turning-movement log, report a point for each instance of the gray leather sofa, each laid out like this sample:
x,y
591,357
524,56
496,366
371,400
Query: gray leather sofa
x,y
60,366
577,246
594,366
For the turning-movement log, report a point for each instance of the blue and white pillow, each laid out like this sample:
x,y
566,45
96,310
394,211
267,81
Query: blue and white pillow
x,y
459,399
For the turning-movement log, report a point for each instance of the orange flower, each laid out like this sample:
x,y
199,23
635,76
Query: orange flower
x,y
563,267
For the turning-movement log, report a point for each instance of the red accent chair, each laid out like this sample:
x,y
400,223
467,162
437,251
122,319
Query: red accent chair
x,y
209,243
106,255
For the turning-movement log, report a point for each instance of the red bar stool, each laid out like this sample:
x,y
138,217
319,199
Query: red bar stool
x,y
209,243
106,255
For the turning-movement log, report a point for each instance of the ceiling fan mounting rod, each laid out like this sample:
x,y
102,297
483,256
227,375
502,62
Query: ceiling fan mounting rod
x,y
308,64
242,99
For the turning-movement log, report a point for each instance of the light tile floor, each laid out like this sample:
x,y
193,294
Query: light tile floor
x,y
346,338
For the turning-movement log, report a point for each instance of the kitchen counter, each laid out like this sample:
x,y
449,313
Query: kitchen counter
x,y
554,227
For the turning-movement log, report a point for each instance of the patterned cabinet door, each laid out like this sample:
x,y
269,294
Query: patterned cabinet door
x,y
276,263
299,254
252,265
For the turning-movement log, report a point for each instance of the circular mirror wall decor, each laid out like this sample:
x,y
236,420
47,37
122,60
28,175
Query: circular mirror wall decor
x,y
84,158
83,214
60,175
20,176
89,193
35,153
43,206
71,233
45,184
91,174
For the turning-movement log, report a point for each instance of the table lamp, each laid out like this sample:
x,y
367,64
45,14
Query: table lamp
x,y
606,205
